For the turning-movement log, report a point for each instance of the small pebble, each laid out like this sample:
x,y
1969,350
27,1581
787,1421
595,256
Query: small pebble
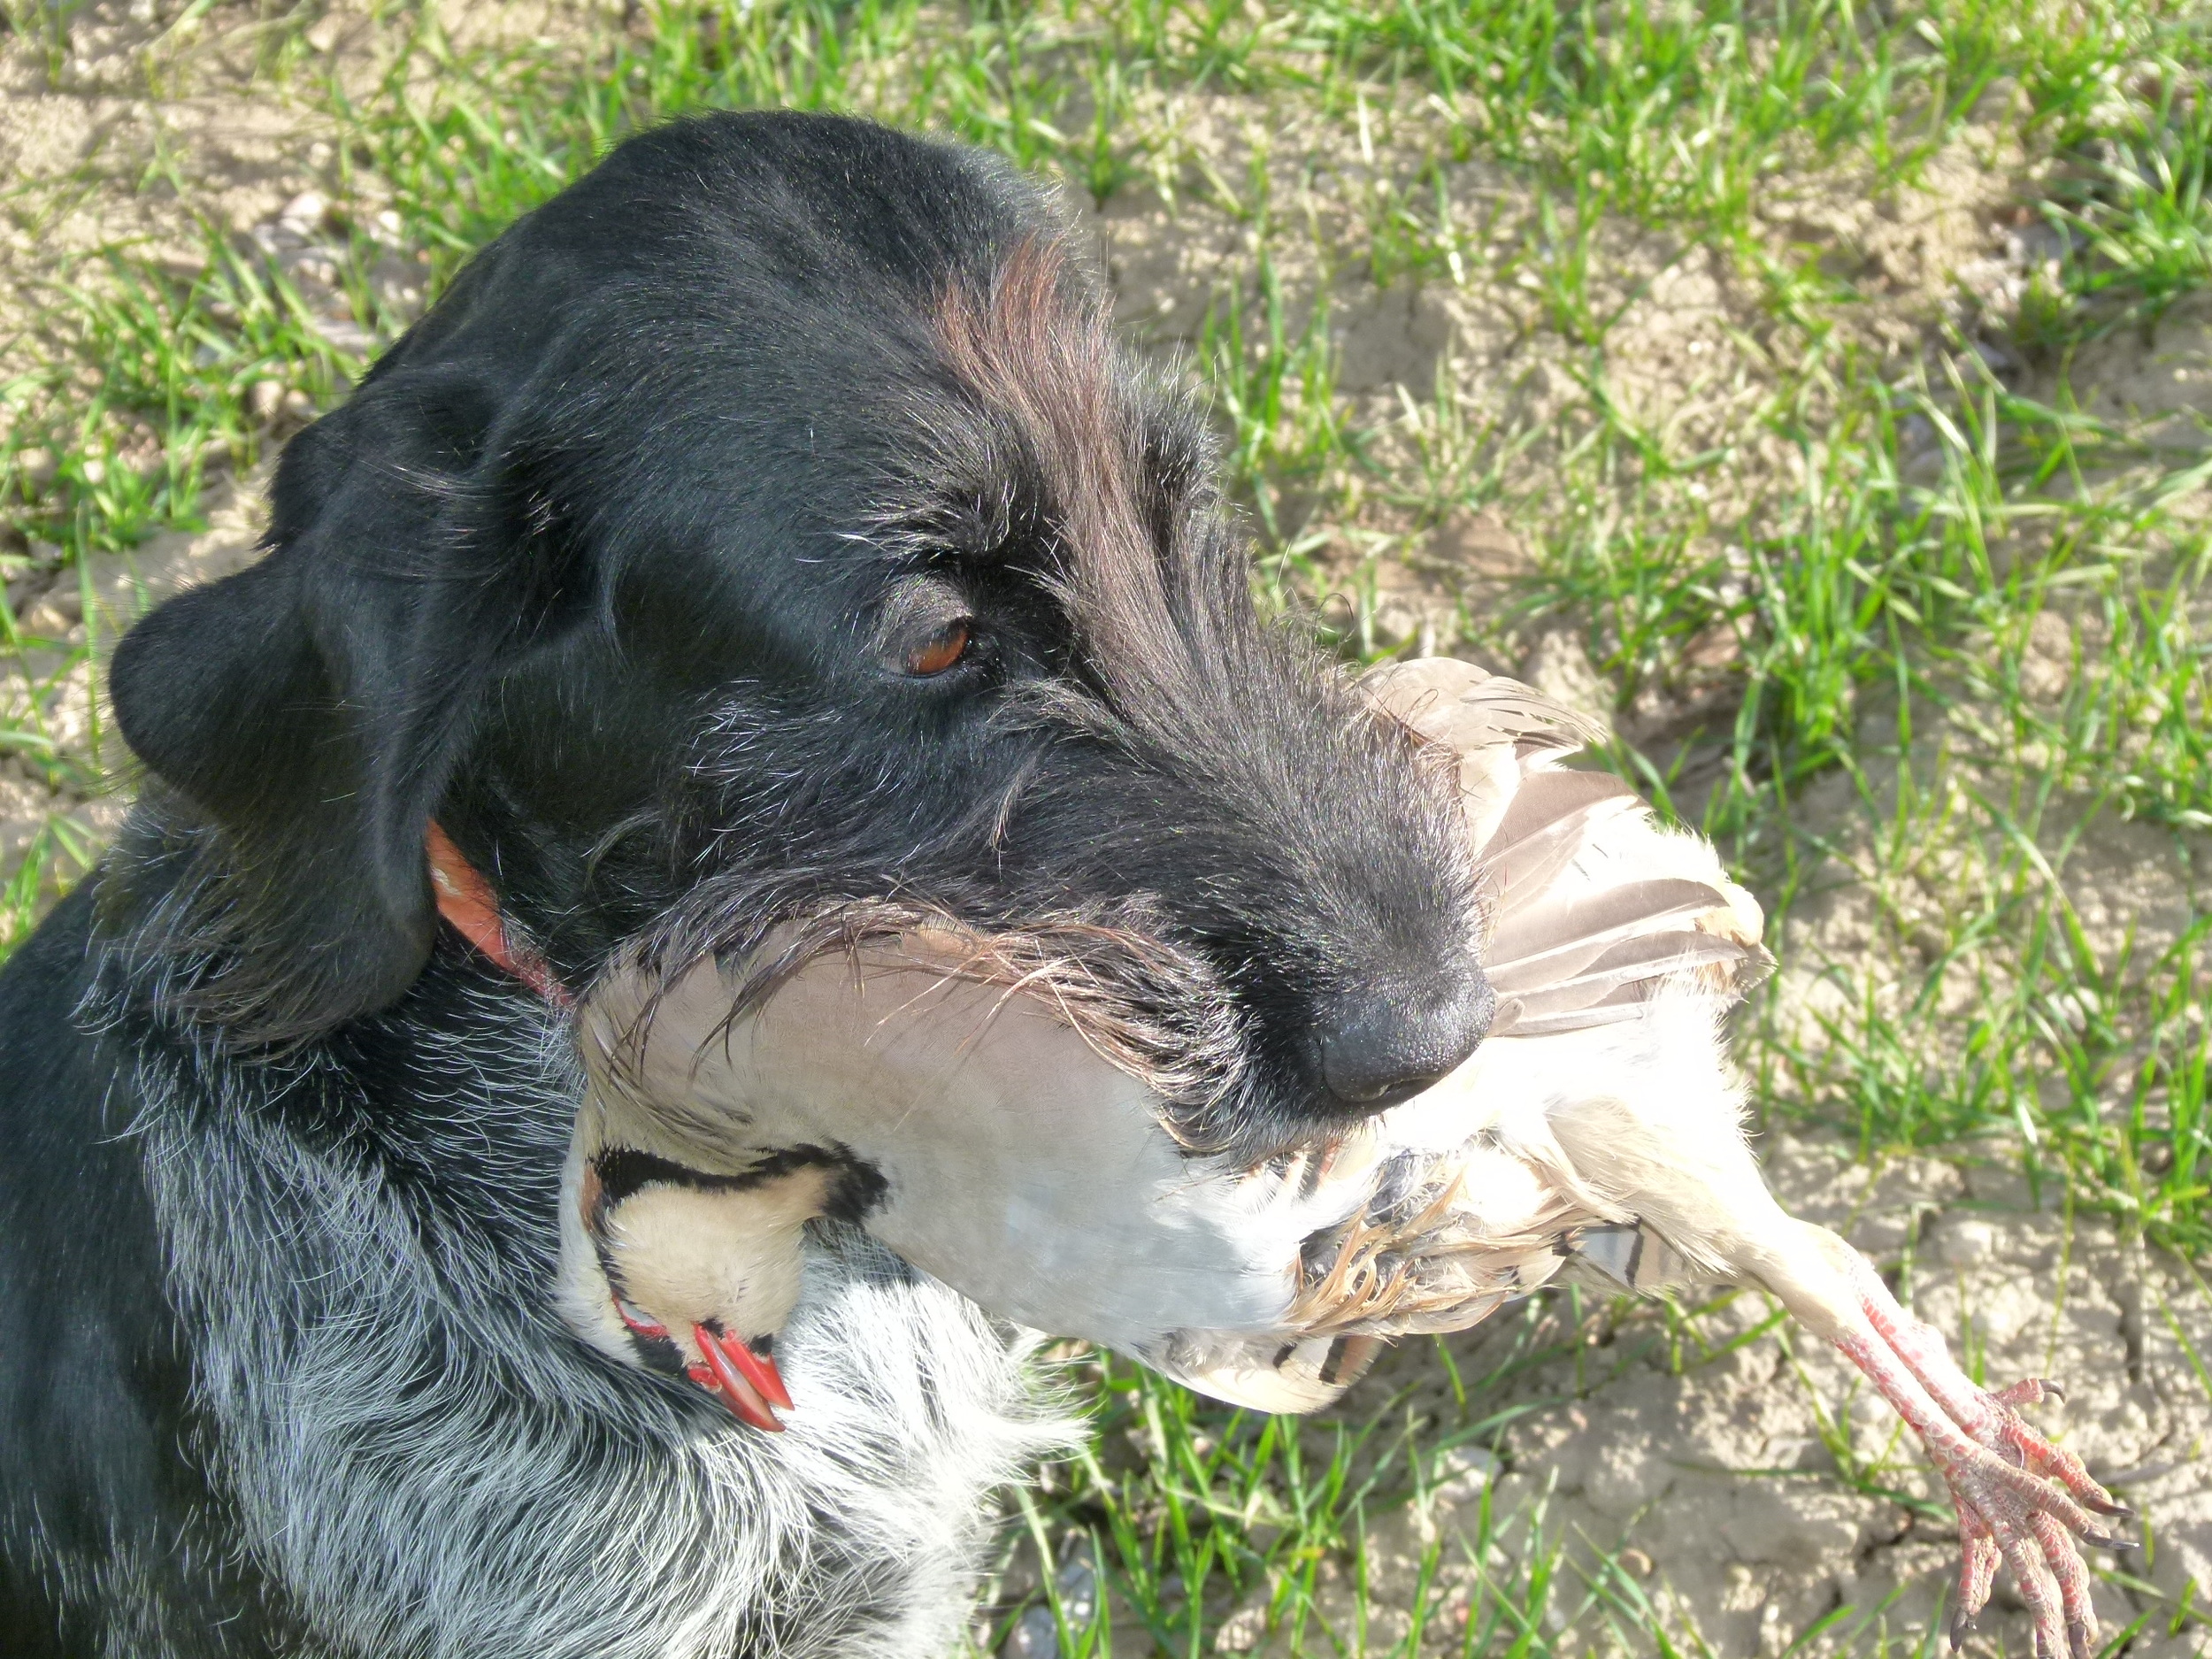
x,y
37,467
1079,1590
58,610
304,213
1037,1636
1966,1243
1462,1472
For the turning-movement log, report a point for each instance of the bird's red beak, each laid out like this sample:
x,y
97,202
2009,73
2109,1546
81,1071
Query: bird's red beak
x,y
748,1382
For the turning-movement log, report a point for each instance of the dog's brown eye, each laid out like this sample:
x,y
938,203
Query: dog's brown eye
x,y
941,650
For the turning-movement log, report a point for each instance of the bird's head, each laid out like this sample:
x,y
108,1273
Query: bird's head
x,y
691,1273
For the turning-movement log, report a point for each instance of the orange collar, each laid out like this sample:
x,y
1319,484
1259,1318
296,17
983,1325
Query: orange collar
x,y
467,900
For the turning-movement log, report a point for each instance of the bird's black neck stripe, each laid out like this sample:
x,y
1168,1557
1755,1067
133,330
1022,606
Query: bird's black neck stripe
x,y
624,1171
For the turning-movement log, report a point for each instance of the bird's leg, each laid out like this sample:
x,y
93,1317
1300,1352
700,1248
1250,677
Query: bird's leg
x,y
2019,1498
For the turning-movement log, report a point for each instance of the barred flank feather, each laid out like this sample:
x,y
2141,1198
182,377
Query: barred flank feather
x,y
1593,906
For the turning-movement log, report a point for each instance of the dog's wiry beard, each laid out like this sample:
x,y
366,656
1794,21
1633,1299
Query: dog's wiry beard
x,y
803,834
1156,869
1156,1012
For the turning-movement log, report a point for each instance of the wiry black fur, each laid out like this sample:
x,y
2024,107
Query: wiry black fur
x,y
612,566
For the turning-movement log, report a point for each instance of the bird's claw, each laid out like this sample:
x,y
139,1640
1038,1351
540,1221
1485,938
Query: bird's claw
x,y
2005,1513
2020,1499
1977,1572
2028,1391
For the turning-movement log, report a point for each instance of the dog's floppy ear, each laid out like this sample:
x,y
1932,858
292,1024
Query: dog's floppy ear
x,y
310,711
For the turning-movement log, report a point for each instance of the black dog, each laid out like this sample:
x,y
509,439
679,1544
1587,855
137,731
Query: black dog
x,y
761,537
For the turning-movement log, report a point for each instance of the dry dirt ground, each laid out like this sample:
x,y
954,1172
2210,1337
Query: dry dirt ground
x,y
1712,1484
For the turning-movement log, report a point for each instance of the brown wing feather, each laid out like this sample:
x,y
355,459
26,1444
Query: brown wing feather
x,y
1545,942
1568,879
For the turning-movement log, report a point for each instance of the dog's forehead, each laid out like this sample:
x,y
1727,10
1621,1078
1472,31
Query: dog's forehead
x,y
1009,449
992,432
1098,472
1033,355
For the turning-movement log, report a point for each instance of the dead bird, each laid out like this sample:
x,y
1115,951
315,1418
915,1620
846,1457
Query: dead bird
x,y
1597,1133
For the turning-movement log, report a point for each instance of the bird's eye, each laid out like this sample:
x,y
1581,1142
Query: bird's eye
x,y
942,651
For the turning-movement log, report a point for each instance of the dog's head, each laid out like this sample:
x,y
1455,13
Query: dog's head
x,y
763,550
765,531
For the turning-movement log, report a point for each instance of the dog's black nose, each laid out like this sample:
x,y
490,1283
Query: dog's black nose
x,y
1387,1045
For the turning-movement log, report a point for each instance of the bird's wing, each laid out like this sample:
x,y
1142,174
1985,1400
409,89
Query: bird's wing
x,y
1614,946
1594,907
1500,729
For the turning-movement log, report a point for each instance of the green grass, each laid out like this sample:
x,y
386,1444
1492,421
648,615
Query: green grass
x,y
1845,574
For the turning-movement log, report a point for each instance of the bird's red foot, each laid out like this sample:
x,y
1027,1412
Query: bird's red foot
x,y
2020,1499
